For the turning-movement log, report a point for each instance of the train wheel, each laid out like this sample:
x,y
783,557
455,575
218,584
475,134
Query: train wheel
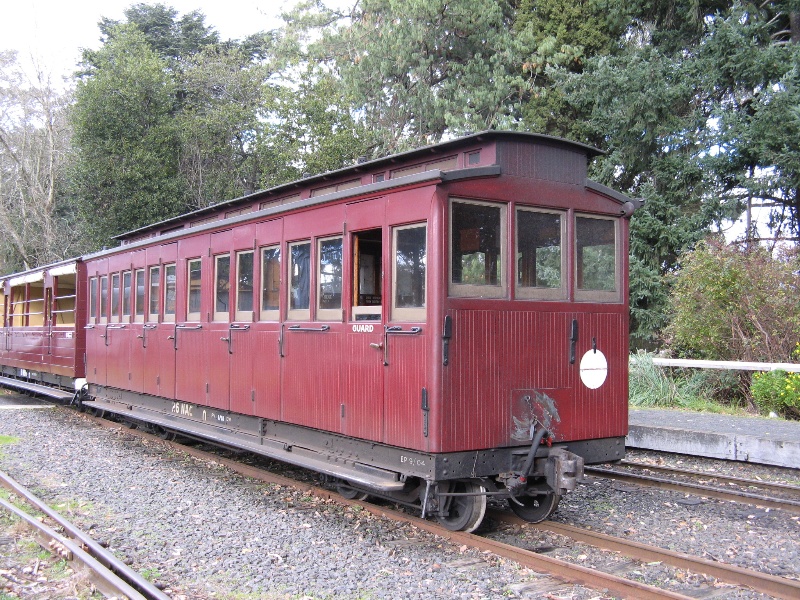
x,y
535,509
345,491
464,513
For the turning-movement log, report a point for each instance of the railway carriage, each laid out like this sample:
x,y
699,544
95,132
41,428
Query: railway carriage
x,y
43,336
432,327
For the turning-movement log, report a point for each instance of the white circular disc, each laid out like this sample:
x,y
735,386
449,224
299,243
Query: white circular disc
x,y
594,369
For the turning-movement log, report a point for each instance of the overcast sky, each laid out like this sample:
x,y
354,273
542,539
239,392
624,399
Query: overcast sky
x,y
52,32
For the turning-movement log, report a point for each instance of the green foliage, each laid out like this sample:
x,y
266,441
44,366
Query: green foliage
x,y
734,304
695,389
127,173
777,391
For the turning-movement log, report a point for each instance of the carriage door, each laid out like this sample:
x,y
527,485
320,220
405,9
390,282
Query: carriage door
x,y
363,359
161,296
406,333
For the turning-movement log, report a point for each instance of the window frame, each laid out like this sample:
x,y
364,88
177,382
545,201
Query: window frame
x,y
357,311
471,290
245,315
153,317
329,314
298,314
588,295
170,317
415,313
139,317
126,297
103,314
193,315
269,314
534,292
94,289
219,315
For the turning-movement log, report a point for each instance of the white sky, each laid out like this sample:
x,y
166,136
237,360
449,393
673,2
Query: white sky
x,y
51,33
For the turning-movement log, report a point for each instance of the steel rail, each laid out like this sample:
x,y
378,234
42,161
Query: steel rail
x,y
112,572
740,481
697,489
560,569
780,587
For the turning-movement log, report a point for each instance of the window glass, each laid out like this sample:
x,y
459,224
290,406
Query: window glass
x,y
155,281
595,249
270,282
330,279
244,286
540,256
477,242
410,267
115,297
103,298
367,283
222,287
194,270
170,292
299,279
92,298
139,299
126,294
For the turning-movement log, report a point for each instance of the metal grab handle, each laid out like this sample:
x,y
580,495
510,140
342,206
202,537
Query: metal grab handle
x,y
121,326
235,327
88,326
397,330
394,330
189,327
298,328
149,326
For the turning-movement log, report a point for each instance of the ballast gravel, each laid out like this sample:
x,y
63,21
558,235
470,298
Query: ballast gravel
x,y
204,532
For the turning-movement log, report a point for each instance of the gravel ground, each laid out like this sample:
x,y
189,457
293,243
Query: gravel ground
x,y
204,532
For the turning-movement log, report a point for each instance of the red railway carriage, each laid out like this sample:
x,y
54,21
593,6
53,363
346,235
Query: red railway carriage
x,y
43,337
431,327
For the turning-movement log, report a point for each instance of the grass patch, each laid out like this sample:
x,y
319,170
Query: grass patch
x,y
703,390
7,439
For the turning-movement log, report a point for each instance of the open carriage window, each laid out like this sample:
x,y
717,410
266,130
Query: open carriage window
x,y
477,249
540,255
597,273
367,283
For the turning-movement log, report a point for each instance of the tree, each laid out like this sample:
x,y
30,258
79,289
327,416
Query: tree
x,y
127,141
413,70
34,153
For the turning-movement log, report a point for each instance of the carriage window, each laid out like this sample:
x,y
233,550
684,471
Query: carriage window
x,y
170,293
329,299
115,298
126,294
244,286
36,304
194,269
299,280
477,248
222,287
270,283
139,298
410,265
540,259
103,299
155,281
63,308
367,284
596,268
93,298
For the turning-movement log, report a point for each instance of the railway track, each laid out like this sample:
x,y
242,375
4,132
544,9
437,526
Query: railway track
x,y
560,569
108,574
781,496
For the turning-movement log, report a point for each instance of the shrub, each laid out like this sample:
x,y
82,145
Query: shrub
x,y
735,304
778,392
